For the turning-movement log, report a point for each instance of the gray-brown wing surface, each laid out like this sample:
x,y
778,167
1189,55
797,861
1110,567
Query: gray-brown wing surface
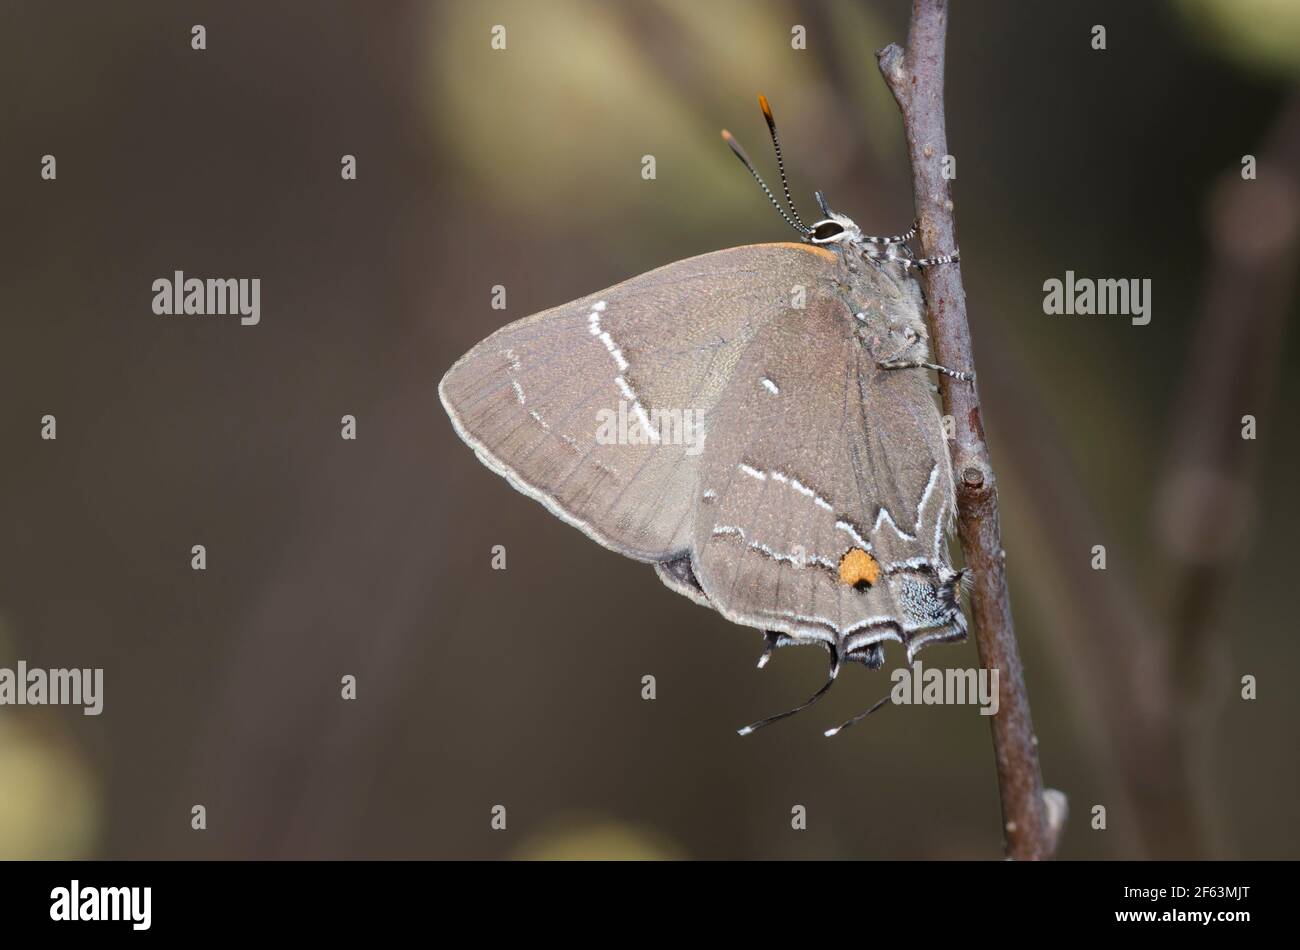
x,y
603,409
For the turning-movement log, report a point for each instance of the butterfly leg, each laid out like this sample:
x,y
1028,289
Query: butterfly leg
x,y
952,258
896,239
770,638
920,364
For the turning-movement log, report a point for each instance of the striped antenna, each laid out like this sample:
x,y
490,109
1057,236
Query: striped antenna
x,y
780,162
744,160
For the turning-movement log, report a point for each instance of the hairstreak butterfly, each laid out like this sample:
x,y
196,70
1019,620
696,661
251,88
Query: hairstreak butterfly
x,y
812,494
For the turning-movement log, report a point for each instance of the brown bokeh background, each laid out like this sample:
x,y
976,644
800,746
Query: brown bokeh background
x,y
522,168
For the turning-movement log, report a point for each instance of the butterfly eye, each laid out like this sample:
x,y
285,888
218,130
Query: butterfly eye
x,y
827,231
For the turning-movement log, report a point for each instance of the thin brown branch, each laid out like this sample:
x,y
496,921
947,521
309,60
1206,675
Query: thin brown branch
x,y
916,79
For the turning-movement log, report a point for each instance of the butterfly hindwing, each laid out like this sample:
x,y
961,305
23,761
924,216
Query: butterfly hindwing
x,y
826,491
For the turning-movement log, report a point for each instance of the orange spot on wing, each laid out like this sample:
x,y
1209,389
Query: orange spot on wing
x,y
810,248
857,567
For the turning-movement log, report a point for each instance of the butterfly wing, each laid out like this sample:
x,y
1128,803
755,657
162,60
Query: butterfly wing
x,y
559,403
817,453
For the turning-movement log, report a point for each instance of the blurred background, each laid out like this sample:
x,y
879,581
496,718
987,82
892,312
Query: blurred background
x,y
522,167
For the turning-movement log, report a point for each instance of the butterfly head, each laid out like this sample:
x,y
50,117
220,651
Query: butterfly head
x,y
835,229
831,229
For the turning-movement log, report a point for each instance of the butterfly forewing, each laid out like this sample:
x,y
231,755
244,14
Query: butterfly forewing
x,y
602,408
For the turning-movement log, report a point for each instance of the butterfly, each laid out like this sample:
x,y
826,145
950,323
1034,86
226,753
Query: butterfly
x,y
758,423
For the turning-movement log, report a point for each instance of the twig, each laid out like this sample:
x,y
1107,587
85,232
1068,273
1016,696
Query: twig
x,y
916,79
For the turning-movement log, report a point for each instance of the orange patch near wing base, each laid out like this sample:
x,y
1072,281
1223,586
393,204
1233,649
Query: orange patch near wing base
x,y
813,249
858,567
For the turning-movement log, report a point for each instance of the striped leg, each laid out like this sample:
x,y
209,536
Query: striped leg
x,y
952,258
895,239
918,364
